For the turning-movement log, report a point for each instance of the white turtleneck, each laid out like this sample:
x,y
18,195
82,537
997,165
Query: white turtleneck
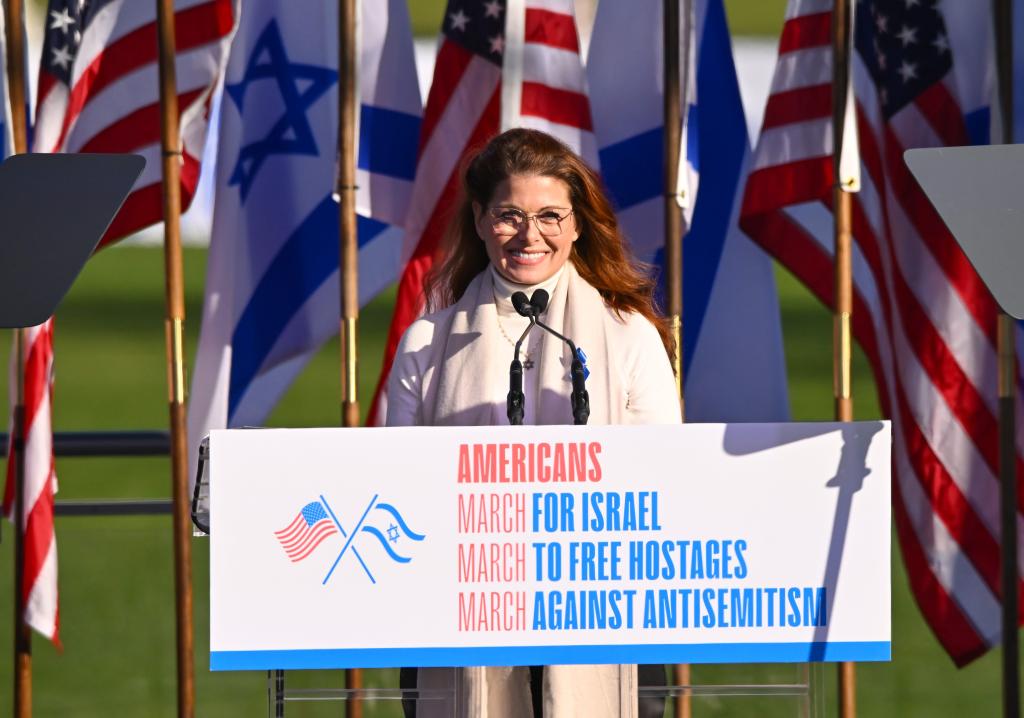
x,y
512,326
639,357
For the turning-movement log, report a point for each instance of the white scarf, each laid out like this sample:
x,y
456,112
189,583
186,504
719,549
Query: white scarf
x,y
472,375
472,386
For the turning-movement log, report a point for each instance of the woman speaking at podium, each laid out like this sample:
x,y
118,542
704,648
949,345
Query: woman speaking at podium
x,y
532,216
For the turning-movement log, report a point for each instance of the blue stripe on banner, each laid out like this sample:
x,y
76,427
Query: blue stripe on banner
x,y
722,135
388,142
3,141
633,168
552,655
306,261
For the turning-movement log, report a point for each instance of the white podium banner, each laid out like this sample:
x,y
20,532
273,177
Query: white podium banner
x,y
334,548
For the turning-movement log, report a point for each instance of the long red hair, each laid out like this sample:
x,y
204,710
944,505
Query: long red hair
x,y
601,255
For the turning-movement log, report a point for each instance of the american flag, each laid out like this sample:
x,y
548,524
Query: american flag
x,y
499,65
99,92
921,74
310,528
39,580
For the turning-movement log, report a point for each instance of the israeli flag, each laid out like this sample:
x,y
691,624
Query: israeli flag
x,y
272,291
733,361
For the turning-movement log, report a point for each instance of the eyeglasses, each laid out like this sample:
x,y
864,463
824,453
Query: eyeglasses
x,y
508,222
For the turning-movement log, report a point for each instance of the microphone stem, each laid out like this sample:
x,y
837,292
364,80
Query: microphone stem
x,y
516,401
579,399
546,328
533,320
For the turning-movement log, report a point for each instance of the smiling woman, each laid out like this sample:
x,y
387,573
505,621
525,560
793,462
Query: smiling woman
x,y
531,172
533,216
525,245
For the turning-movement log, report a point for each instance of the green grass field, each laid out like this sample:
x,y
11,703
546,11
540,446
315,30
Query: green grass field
x,y
115,573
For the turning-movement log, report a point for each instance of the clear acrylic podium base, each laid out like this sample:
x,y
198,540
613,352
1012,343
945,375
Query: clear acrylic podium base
x,y
782,690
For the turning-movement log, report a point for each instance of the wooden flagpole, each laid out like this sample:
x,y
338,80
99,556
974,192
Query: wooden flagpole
x,y
15,40
175,335
15,36
842,338
673,212
673,99
348,249
1006,334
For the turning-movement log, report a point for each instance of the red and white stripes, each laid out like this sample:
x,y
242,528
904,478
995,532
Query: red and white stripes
x,y
299,539
921,313
39,584
113,104
543,82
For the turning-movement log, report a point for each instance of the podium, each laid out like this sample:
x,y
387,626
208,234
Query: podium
x,y
703,544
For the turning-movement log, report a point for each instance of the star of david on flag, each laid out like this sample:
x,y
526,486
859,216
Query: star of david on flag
x,y
291,134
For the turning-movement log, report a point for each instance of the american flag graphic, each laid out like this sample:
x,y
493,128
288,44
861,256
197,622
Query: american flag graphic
x,y
921,74
99,92
310,528
499,65
39,580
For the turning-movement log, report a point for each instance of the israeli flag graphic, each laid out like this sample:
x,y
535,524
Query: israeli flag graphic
x,y
733,361
382,522
391,531
272,292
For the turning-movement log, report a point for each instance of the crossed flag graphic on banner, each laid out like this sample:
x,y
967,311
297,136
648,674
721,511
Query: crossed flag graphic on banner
x,y
316,521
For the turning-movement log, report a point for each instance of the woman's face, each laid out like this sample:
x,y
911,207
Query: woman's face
x,y
527,251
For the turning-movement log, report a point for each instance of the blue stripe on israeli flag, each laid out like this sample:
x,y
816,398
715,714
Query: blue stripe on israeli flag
x,y
627,166
733,361
305,262
389,142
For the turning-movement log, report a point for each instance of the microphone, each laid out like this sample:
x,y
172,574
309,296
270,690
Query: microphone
x,y
539,300
579,398
521,304
515,405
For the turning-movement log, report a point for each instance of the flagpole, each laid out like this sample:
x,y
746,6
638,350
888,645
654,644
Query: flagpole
x,y
15,37
1006,334
842,338
349,249
175,337
673,97
673,211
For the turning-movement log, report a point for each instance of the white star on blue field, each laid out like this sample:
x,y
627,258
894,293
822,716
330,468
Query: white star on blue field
x,y
291,134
